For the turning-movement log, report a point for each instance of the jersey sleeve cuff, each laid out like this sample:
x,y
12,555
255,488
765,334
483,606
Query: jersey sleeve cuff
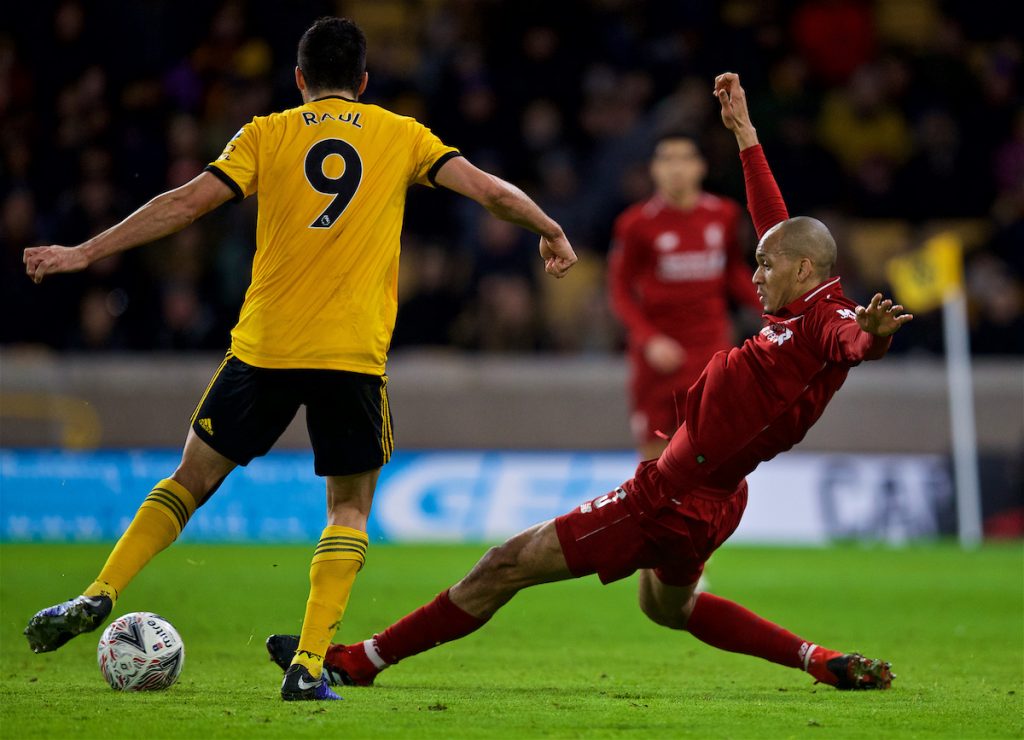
x,y
436,167
876,347
753,154
226,179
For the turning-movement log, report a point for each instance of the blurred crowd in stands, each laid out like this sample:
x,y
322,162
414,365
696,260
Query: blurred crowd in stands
x,y
890,120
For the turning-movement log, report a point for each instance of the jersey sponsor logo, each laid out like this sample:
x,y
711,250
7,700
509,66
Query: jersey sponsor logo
x,y
777,334
312,119
687,266
845,313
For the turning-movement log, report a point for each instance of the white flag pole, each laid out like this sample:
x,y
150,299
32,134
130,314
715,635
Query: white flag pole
x,y
961,413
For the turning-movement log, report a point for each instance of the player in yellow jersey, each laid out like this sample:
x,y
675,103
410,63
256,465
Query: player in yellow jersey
x,y
314,328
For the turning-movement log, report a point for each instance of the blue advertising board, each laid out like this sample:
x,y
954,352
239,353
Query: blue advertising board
x,y
463,496
421,496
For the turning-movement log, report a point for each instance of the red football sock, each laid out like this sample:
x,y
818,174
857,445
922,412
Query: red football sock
x,y
438,622
728,626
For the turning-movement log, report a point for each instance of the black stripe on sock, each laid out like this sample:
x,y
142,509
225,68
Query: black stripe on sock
x,y
356,545
340,549
353,545
169,508
339,546
176,497
175,516
343,538
172,504
176,501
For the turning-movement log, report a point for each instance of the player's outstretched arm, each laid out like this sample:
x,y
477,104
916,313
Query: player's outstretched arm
x,y
165,214
764,200
881,317
735,114
509,203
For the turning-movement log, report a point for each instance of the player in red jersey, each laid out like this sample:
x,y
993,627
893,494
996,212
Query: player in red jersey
x,y
748,405
674,267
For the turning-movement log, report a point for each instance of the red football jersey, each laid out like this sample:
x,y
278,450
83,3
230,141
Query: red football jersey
x,y
758,400
672,271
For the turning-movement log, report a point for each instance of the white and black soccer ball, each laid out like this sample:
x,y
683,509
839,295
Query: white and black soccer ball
x,y
140,652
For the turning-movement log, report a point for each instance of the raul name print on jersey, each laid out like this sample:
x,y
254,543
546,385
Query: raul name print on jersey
x,y
698,264
312,119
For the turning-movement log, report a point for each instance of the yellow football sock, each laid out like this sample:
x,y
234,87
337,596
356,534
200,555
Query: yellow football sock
x,y
339,555
158,522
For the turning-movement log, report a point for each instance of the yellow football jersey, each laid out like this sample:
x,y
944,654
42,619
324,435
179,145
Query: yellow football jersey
x,y
331,177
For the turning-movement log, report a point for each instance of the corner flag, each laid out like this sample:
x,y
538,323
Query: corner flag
x,y
923,279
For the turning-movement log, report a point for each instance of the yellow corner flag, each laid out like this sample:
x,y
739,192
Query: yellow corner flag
x,y
922,279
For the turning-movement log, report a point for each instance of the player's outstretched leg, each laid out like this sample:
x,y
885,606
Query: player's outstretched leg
x,y
156,525
431,625
158,522
527,559
728,626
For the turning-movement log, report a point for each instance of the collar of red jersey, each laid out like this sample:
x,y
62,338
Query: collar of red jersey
x,y
808,299
660,203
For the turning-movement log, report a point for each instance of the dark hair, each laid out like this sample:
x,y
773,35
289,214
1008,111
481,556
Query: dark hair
x,y
676,135
332,55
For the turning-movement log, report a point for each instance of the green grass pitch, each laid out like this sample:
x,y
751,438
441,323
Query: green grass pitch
x,y
565,660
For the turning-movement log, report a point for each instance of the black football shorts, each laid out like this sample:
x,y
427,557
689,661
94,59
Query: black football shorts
x,y
245,410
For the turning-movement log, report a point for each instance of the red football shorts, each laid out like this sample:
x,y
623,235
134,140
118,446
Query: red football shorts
x,y
656,399
642,524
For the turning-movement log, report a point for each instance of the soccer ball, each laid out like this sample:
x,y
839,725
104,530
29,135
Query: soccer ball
x,y
140,652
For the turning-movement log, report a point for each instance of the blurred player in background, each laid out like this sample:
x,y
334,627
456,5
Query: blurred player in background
x,y
675,266
749,404
315,326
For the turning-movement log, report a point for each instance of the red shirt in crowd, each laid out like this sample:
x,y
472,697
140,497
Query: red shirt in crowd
x,y
758,400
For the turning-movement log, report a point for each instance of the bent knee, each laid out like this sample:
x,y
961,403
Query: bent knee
x,y
674,619
499,561
670,610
